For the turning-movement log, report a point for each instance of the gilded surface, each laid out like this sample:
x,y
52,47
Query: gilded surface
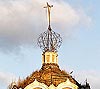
x,y
49,74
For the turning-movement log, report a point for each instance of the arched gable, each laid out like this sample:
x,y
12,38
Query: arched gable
x,y
67,84
37,85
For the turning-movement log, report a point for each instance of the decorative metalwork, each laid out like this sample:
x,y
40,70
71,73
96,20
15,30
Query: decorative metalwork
x,y
49,40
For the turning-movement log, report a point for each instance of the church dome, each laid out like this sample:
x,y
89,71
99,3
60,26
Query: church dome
x,y
49,74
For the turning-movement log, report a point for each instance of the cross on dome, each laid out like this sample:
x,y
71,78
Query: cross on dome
x,y
49,41
49,9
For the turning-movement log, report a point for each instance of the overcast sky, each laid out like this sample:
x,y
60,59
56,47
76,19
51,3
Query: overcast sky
x,y
21,22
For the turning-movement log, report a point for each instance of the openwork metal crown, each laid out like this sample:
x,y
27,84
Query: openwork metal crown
x,y
49,41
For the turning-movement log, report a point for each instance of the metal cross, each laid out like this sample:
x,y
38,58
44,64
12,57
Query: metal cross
x,y
48,8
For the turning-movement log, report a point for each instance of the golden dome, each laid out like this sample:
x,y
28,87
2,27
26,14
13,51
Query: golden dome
x,y
49,74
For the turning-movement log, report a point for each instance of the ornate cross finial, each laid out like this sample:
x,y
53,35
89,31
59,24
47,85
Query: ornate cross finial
x,y
49,41
49,8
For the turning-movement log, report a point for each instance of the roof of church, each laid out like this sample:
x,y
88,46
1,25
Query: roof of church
x,y
48,74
